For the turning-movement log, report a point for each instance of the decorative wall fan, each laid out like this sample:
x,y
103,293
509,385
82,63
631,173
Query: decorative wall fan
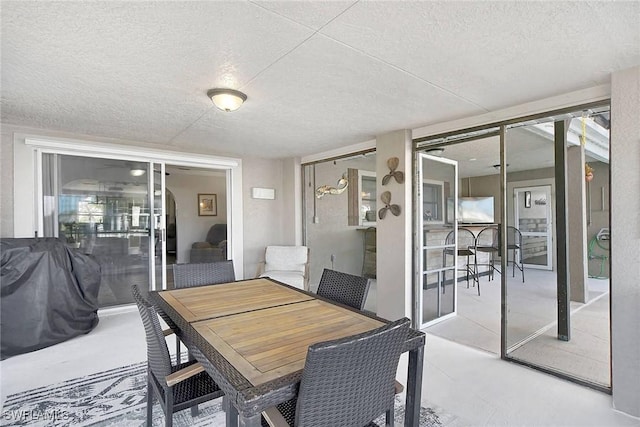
x,y
386,199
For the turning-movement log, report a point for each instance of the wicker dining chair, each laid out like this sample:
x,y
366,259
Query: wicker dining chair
x,y
199,274
346,382
344,288
177,387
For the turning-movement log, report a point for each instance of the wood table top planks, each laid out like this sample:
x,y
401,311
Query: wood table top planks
x,y
267,344
206,302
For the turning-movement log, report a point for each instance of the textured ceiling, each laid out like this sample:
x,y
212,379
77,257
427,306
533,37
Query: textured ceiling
x,y
319,75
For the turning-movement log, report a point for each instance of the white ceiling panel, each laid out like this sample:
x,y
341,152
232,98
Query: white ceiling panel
x,y
315,14
132,70
310,97
319,75
496,54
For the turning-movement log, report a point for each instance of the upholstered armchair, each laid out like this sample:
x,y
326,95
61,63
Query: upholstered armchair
x,y
214,248
286,264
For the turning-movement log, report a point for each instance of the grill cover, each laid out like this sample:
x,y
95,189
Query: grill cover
x,y
49,294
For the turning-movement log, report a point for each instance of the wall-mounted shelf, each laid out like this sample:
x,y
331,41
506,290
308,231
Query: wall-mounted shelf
x,y
362,198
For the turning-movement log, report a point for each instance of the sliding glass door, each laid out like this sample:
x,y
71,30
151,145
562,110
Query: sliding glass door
x,y
557,316
112,210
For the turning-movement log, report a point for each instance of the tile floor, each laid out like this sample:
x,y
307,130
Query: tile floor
x,y
474,386
532,313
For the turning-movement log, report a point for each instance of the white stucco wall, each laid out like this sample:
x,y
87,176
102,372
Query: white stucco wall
x,y
332,235
625,240
394,233
6,182
263,219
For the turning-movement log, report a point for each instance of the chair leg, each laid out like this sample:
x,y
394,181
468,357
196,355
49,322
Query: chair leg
x,y
168,408
476,273
389,417
149,400
177,350
467,268
194,409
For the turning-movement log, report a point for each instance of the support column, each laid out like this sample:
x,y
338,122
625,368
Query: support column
x,y
292,201
625,240
577,232
394,233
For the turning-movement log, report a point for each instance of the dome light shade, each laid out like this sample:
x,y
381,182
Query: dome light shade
x,y
227,99
137,172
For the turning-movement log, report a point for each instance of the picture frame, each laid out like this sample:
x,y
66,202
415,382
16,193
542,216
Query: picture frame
x,y
527,199
207,204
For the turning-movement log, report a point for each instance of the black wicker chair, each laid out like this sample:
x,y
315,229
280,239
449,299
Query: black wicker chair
x,y
177,387
198,274
346,382
187,275
344,288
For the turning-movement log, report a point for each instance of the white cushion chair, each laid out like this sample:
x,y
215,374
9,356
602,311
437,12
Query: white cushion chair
x,y
287,264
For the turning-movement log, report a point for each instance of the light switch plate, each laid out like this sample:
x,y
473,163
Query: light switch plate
x,y
263,193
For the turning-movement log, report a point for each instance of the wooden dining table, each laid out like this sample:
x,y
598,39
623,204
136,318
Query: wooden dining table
x,y
252,337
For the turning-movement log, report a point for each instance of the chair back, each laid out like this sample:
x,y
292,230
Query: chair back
x,y
286,258
198,274
217,233
514,238
344,288
350,381
488,238
157,351
466,240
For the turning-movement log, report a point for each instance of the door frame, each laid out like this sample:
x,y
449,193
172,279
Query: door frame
x,y
550,228
28,180
419,245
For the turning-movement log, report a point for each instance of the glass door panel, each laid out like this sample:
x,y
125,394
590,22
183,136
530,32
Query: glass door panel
x,y
436,293
557,315
533,220
101,207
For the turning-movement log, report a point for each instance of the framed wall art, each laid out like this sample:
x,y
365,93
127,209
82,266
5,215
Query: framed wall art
x,y
207,205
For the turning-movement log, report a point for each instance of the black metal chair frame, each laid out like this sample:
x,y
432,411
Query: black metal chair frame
x,y
346,382
491,248
514,244
471,269
344,288
177,387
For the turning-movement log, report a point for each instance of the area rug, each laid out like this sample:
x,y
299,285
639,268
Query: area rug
x,y
118,398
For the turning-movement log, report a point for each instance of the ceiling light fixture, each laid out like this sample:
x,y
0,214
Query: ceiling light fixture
x,y
497,166
227,99
137,172
435,151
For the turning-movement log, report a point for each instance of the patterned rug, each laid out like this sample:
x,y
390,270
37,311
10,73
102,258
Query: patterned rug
x,y
118,398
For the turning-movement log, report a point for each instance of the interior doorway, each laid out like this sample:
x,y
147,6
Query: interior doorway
x,y
533,220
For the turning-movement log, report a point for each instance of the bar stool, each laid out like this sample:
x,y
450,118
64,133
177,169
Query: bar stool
x,y
487,242
465,248
514,244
